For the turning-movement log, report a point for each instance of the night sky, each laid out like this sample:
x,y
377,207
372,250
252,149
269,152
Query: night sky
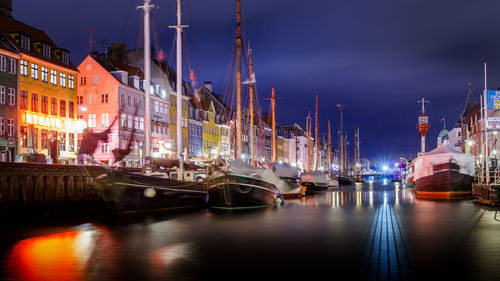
x,y
376,57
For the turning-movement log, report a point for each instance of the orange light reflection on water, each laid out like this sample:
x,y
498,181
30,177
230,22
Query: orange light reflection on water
x,y
61,256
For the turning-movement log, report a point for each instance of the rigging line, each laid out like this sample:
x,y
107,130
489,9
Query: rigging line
x,y
155,35
195,45
125,21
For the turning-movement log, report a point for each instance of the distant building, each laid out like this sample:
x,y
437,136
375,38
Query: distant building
x,y
195,127
455,138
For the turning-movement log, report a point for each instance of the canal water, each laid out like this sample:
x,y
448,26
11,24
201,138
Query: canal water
x,y
370,231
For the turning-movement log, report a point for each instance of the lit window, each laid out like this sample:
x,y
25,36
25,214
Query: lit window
x,y
24,68
104,119
25,42
92,120
2,125
45,74
46,50
71,81
94,80
53,77
79,100
34,71
62,79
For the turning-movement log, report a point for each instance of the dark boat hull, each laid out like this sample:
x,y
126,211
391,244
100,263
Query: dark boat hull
x,y
240,192
345,181
444,185
134,192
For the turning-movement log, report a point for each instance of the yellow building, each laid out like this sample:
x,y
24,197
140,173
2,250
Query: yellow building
x,y
46,95
173,121
210,131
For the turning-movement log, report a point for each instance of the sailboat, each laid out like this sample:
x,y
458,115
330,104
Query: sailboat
x,y
242,186
342,178
317,180
146,191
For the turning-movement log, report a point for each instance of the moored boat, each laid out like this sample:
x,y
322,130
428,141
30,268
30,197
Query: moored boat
x,y
233,192
343,180
444,173
288,183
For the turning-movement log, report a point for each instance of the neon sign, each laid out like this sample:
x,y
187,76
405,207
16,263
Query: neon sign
x,y
54,123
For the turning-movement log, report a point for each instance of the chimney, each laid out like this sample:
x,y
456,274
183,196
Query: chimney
x,y
208,85
6,8
117,52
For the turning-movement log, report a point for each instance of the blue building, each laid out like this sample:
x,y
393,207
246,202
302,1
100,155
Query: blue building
x,y
195,139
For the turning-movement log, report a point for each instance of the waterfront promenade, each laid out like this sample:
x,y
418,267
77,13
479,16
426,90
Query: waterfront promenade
x,y
373,231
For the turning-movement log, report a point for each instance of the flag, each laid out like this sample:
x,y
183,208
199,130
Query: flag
x,y
339,105
250,80
443,119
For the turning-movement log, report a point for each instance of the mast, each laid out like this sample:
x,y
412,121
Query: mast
x,y
329,148
178,90
238,80
308,135
316,138
341,143
423,125
251,92
273,105
147,77
485,103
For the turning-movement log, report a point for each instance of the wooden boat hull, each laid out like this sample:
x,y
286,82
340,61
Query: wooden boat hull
x,y
241,192
445,184
135,192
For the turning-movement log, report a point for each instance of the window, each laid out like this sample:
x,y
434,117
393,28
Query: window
x,y
62,79
2,94
3,63
45,104
62,141
129,100
23,140
10,127
71,109
45,74
71,142
53,77
12,66
12,96
24,68
136,122
104,98
83,81
94,80
104,119
79,100
53,106
124,120
34,71
65,57
136,102
141,123
122,99
34,102
43,139
35,138
71,81
2,126
157,106
24,100
92,120
62,109
129,121
25,42
79,116
104,148
46,50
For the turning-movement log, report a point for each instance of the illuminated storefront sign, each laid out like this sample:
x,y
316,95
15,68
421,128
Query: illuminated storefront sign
x,y
54,123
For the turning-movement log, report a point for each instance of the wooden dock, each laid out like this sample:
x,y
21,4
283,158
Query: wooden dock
x,y
487,194
48,189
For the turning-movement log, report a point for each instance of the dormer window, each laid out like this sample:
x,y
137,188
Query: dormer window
x,y
25,42
46,50
65,57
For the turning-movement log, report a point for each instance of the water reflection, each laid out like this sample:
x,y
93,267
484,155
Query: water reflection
x,y
62,256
